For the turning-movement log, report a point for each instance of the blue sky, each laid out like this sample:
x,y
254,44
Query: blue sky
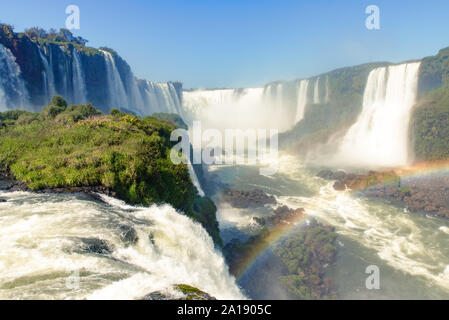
x,y
231,43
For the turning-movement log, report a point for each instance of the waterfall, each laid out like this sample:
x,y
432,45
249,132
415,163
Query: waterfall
x,y
194,179
251,108
79,84
327,90
316,92
135,96
303,88
13,93
116,90
380,135
171,102
115,250
160,97
48,78
64,74
63,68
279,96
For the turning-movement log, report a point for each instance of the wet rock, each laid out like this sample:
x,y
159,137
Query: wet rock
x,y
326,174
427,194
248,199
330,175
339,185
188,292
284,214
128,235
156,296
96,246
259,221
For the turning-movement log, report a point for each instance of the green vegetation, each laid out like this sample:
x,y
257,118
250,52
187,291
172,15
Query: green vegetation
x,y
405,190
171,118
303,255
192,293
78,146
430,125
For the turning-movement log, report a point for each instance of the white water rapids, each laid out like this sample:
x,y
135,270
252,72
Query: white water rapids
x,y
42,237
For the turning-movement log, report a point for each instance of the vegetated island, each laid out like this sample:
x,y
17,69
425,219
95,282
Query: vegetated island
x,y
77,148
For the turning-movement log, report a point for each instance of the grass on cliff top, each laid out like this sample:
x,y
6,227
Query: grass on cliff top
x,y
76,146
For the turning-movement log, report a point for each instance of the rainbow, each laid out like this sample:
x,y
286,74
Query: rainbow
x,y
423,168
264,243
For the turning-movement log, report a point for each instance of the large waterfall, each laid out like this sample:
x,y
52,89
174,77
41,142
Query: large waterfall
x,y
73,247
380,135
79,77
255,108
303,88
12,87
161,97
79,84
140,96
48,78
116,89
316,91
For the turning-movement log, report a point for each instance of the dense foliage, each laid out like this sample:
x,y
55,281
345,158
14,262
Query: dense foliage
x,y
430,127
303,255
77,146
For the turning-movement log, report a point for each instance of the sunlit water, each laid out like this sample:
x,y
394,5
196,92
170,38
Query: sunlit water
x,y
41,256
410,249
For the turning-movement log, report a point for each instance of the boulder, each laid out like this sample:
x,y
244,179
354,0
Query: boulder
x,y
128,235
95,246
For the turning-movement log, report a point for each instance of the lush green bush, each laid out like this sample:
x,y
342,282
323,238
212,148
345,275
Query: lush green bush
x,y
430,125
78,146
172,118
303,255
431,130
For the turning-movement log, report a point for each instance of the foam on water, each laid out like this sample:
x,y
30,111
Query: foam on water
x,y
397,239
42,235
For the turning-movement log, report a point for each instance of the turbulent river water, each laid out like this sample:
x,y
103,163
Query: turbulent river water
x,y
410,249
50,250
49,241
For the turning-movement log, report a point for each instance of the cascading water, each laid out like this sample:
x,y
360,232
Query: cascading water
x,y
160,97
327,89
48,78
63,72
316,91
380,135
73,247
13,93
141,97
134,96
116,89
303,88
256,108
79,84
195,180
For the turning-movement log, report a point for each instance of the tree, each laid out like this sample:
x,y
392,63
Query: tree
x,y
35,33
58,101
